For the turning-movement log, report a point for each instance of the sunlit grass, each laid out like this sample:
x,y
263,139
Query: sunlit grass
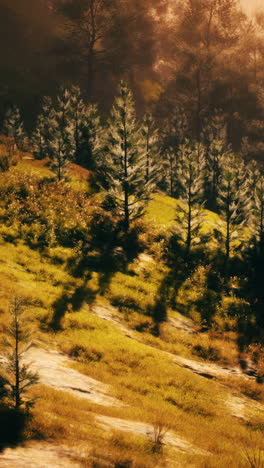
x,y
138,371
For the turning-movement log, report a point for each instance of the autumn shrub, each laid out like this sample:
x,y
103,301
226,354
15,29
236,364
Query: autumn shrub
x,y
200,295
44,213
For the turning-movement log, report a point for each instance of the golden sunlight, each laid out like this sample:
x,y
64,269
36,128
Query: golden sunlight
x,y
251,6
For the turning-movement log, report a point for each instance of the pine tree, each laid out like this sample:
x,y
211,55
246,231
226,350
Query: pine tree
x,y
233,199
214,138
125,157
258,210
14,128
62,129
41,137
18,377
215,128
189,213
253,176
91,138
78,115
150,139
175,131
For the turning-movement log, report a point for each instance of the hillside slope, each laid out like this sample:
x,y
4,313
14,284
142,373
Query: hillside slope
x,y
113,375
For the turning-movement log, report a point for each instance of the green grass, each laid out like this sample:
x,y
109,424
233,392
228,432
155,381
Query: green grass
x,y
161,213
138,371
144,378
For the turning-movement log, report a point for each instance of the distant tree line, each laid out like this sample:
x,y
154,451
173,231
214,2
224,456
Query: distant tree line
x,y
196,55
131,159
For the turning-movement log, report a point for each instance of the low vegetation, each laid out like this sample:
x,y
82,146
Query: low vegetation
x,y
142,291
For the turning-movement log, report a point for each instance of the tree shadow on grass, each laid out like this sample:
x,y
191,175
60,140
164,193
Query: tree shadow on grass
x,y
107,252
180,267
105,264
75,300
166,296
12,425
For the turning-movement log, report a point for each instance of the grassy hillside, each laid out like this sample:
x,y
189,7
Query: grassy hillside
x,y
106,316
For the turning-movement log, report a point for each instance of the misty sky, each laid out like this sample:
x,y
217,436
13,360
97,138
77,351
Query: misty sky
x,y
252,5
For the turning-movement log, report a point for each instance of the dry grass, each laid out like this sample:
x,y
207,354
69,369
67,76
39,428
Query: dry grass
x,y
145,379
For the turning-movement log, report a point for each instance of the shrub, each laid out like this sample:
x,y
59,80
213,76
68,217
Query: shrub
x,y
234,307
45,213
84,354
207,352
200,295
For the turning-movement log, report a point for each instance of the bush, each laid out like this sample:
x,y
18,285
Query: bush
x,y
45,213
83,354
234,307
200,295
207,352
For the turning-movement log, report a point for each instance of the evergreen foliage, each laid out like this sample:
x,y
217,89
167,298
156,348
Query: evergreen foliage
x,y
253,176
192,162
233,199
17,340
62,130
14,128
151,142
91,142
258,210
87,128
173,135
214,137
125,157
41,137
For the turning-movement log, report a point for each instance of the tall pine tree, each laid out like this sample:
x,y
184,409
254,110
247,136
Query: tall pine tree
x,y
189,213
151,143
91,138
42,134
125,159
258,211
14,128
17,373
173,135
214,137
62,130
233,200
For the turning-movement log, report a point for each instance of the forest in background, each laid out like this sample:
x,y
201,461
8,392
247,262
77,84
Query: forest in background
x,y
197,55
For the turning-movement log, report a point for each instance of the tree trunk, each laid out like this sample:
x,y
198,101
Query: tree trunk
x,y
147,169
17,368
189,225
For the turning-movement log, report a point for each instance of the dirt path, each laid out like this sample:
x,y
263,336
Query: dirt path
x,y
53,371
236,404
205,369
38,455
181,323
170,439
241,407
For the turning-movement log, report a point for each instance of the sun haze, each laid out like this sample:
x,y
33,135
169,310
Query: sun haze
x,y
251,6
